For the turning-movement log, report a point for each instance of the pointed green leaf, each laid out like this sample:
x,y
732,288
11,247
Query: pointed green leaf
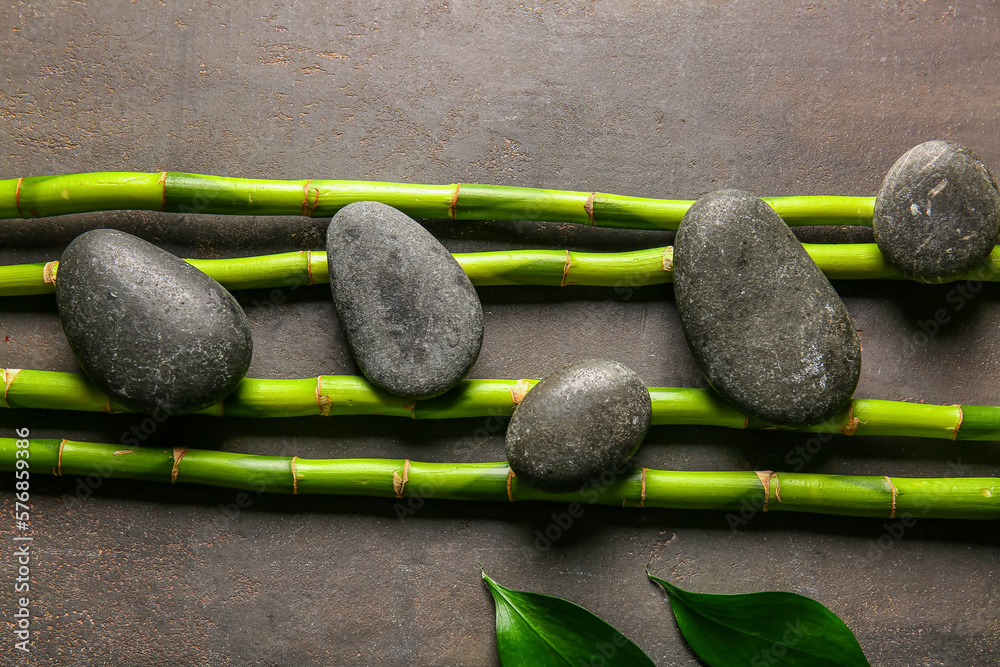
x,y
763,629
538,630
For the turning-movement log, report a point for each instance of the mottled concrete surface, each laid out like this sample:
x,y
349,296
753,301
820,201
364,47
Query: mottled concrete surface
x,y
671,100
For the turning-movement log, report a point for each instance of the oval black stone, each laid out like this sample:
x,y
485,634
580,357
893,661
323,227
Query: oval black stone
x,y
765,326
411,316
937,214
580,421
152,331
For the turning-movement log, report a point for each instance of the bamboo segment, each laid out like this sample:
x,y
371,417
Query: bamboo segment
x,y
41,196
865,496
331,395
24,279
287,269
509,267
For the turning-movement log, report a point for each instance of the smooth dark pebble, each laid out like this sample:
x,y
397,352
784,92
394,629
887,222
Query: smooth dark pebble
x,y
153,332
937,214
411,316
578,426
764,324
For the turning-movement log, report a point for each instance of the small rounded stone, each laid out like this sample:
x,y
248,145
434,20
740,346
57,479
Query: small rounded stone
x,y
153,332
764,324
937,214
411,316
580,421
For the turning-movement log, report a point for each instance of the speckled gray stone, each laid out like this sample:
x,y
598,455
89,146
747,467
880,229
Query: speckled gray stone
x,y
937,214
764,324
411,316
153,332
578,426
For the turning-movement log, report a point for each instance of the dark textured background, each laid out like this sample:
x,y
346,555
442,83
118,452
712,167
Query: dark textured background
x,y
637,98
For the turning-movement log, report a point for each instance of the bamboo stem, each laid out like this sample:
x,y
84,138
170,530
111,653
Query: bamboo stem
x,y
509,267
42,196
331,395
871,496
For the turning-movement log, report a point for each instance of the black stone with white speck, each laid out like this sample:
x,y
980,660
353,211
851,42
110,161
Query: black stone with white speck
x,y
153,332
937,214
581,421
411,316
764,324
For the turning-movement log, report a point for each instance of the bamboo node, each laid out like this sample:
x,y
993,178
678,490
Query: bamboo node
x,y
49,272
399,483
17,197
179,453
518,391
163,182
58,470
295,477
566,267
510,477
453,203
892,512
642,491
777,487
307,208
309,267
588,206
961,418
412,407
765,479
322,400
851,427
8,379
667,258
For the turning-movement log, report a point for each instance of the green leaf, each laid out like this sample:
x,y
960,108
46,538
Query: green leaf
x,y
763,629
538,630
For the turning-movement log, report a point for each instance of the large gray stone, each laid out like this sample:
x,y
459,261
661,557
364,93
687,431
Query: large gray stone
x,y
149,329
937,214
411,316
764,324
580,421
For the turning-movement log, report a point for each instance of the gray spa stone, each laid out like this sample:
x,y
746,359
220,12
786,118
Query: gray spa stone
x,y
152,331
765,326
937,214
580,421
411,316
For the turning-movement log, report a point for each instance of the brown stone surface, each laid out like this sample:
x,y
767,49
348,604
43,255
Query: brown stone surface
x,y
670,100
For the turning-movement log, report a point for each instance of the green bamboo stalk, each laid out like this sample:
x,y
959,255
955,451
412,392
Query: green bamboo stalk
x,y
866,496
41,196
507,267
330,395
